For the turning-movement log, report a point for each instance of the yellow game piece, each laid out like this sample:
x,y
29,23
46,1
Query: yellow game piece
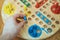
x,y
9,9
19,19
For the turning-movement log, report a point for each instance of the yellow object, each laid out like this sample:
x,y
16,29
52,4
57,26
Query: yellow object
x,y
9,9
19,19
25,10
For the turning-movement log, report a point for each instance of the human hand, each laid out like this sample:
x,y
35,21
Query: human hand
x,y
12,26
19,20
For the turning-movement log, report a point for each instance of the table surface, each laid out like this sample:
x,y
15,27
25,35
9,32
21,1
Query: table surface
x,y
54,37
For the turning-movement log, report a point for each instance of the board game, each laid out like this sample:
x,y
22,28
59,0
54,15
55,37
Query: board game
x,y
42,16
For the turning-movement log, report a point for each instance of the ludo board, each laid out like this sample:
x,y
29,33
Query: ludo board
x,y
42,16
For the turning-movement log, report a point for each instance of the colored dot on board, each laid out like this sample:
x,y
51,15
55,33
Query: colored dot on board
x,y
9,9
49,30
25,8
26,11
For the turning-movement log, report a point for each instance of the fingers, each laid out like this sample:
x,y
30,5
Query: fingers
x,y
19,19
21,24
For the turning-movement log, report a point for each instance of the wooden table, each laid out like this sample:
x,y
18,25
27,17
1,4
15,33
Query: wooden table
x,y
54,37
1,22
